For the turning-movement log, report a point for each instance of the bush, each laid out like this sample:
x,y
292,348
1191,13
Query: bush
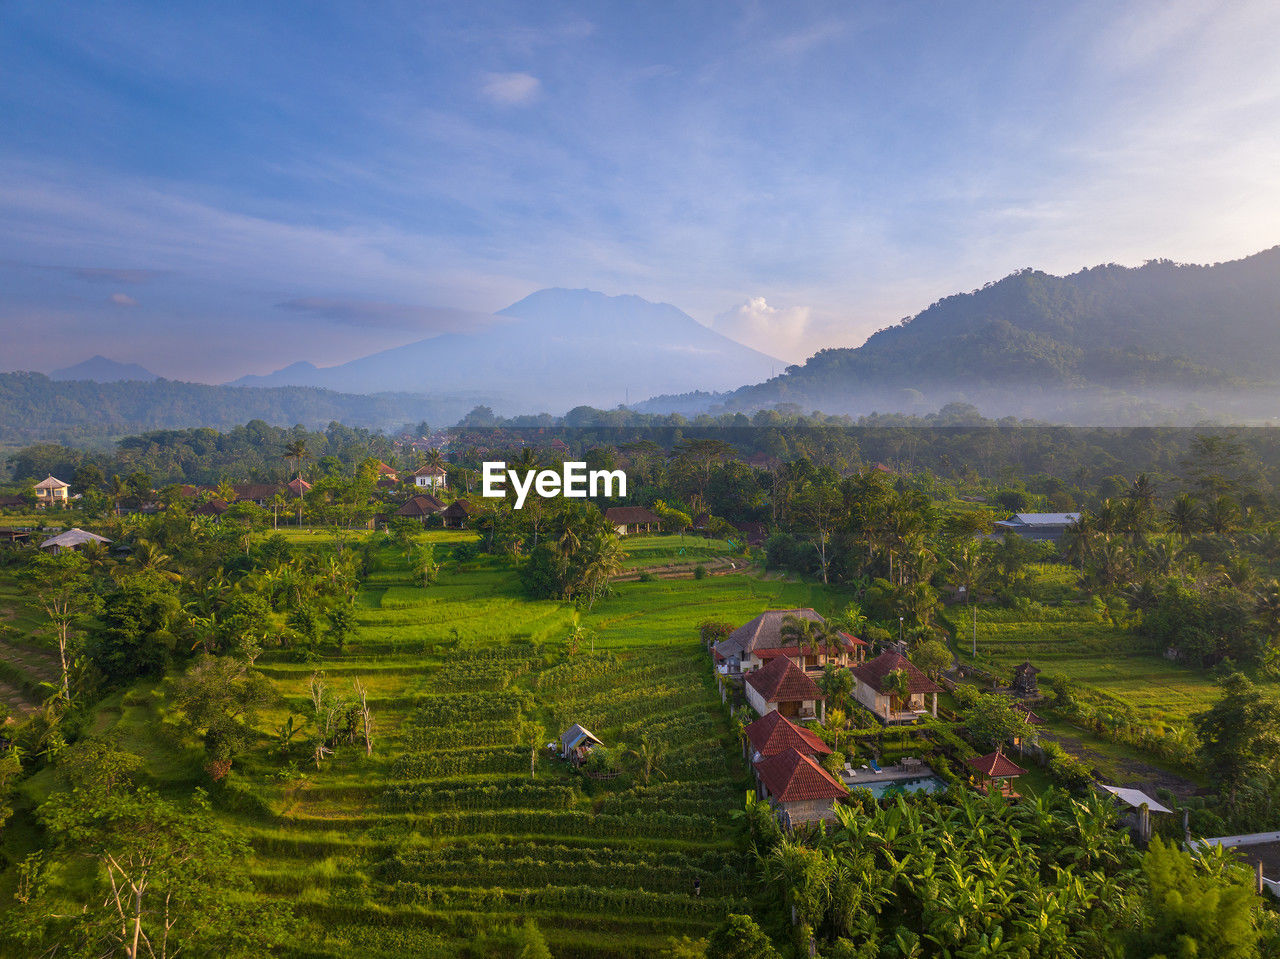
x,y
699,572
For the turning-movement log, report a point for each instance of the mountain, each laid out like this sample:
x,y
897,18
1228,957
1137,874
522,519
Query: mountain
x,y
36,409
99,369
553,350
1162,333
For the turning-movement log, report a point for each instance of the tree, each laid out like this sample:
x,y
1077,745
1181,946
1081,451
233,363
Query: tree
x,y
136,637
221,698
648,756
932,657
1237,733
820,506
1196,905
992,722
62,589
342,623
163,879
738,937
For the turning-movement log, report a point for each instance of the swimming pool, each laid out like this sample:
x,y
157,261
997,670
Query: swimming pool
x,y
925,784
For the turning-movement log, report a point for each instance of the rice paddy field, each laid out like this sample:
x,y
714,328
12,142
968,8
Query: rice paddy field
x,y
461,820
1065,637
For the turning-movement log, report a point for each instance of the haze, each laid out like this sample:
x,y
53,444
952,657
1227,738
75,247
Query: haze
x,y
217,191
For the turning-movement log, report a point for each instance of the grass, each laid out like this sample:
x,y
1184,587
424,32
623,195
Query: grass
x,y
443,832
1065,637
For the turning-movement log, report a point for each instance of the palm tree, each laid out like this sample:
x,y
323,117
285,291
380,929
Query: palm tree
x,y
117,489
295,453
800,632
1184,516
278,502
898,685
606,563
149,558
649,755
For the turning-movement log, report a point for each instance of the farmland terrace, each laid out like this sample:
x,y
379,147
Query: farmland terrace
x,y
461,819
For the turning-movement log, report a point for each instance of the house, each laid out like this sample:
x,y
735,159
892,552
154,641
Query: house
x,y
12,502
215,508
430,477
298,487
873,688
994,772
421,507
15,537
386,472
259,494
797,788
576,742
631,519
72,539
1038,527
756,643
51,491
774,733
783,686
457,513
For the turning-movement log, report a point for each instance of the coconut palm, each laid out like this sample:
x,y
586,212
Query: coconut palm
x,y
649,755
295,453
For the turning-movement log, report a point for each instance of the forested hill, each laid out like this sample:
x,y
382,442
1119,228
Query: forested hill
x,y
34,408
1152,329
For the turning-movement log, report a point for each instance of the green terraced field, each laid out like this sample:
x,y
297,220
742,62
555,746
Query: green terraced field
x,y
1070,640
443,832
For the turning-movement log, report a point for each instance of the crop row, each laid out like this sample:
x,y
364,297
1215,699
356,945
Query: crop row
x,y
423,738
628,902
531,873
461,762
524,794
569,823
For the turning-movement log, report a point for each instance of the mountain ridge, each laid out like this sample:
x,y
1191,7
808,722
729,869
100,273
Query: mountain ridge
x,y
551,350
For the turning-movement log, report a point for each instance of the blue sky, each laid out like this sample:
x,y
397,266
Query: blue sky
x,y
215,189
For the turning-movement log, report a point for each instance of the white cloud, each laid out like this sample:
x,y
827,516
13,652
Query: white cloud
x,y
510,89
776,331
123,299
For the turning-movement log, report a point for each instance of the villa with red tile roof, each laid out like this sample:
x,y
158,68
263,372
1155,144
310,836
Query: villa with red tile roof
x,y
798,788
873,689
774,733
753,645
784,687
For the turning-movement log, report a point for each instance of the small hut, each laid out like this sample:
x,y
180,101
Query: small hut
x,y
995,770
1024,681
72,539
576,743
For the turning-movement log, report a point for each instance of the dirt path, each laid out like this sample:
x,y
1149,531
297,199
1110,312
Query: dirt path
x,y
1132,772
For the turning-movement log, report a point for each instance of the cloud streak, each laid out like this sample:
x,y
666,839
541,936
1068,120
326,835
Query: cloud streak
x,y
510,89
392,316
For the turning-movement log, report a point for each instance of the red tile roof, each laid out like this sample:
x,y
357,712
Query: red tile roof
x,y
875,672
429,470
996,765
773,733
782,682
791,776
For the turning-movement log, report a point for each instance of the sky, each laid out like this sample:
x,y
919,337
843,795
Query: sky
x,y
217,189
